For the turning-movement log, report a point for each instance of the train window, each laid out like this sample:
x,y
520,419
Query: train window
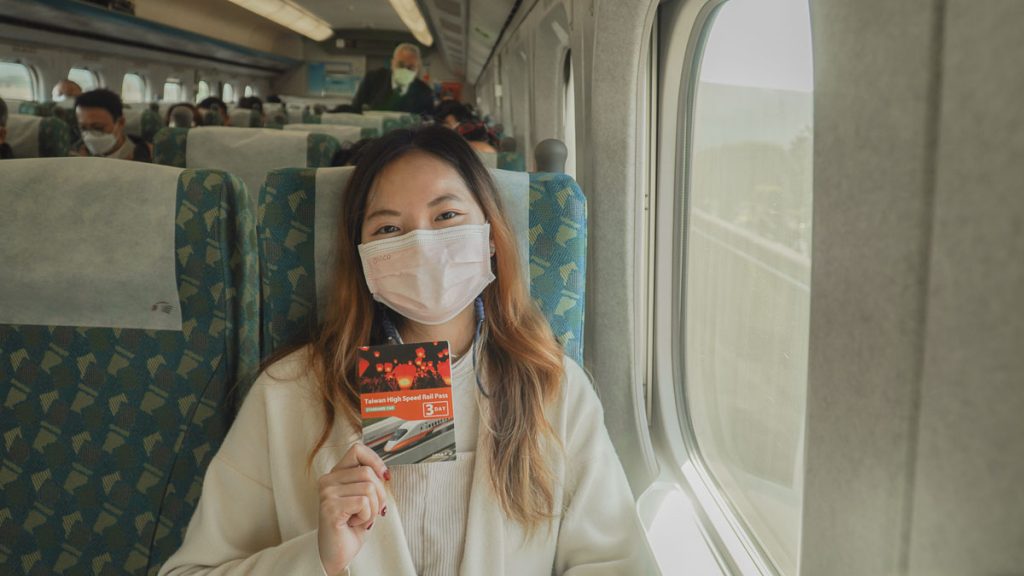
x,y
249,91
133,88
228,93
16,81
85,78
202,91
748,248
172,90
569,117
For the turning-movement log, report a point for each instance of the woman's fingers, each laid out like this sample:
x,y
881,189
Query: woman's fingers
x,y
360,455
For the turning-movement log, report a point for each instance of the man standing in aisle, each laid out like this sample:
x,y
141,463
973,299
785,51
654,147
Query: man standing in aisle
x,y
396,88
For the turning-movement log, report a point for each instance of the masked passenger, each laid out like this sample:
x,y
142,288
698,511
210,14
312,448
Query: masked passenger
x,y
101,121
396,88
65,92
424,253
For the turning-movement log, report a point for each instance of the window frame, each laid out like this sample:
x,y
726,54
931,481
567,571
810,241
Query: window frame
x,y
33,81
199,84
145,87
97,79
736,547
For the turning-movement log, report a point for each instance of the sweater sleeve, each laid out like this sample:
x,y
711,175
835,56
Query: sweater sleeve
x,y
234,529
600,532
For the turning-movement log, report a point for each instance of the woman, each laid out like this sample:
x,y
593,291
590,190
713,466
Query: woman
x,y
536,487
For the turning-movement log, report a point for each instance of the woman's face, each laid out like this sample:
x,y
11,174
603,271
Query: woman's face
x,y
418,192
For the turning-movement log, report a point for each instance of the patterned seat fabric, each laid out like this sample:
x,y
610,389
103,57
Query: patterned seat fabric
x,y
170,148
557,240
511,161
108,432
38,137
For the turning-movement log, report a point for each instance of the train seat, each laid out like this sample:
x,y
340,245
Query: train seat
x,y
128,329
142,122
404,119
512,161
490,159
244,118
375,125
248,153
297,220
344,134
38,136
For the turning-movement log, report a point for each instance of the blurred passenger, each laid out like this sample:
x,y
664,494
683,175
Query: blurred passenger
x,y
5,149
65,92
100,116
214,105
350,154
184,115
396,88
251,103
460,117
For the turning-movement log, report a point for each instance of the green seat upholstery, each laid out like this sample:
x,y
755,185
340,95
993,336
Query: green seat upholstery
x,y
309,116
142,122
38,136
557,247
511,161
108,430
30,108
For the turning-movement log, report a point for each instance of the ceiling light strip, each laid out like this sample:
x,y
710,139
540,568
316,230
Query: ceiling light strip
x,y
290,15
413,19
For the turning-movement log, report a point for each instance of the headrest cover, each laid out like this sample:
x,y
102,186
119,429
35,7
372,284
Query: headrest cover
x,y
248,153
240,117
341,133
89,242
513,187
23,135
490,159
350,119
133,121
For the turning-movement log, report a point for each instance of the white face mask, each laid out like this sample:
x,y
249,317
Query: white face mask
x,y
98,143
429,276
65,102
403,76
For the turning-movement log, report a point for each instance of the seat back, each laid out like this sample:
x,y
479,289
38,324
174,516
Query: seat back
x,y
128,334
343,134
142,122
244,118
373,124
392,119
37,136
512,161
297,226
248,153
490,159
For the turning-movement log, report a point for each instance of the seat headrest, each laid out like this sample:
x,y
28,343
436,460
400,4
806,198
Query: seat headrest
x,y
89,242
343,134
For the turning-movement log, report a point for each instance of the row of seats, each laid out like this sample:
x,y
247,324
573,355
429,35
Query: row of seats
x,y
39,131
135,307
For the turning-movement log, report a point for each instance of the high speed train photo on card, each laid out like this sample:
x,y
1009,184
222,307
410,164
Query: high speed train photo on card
x,y
512,287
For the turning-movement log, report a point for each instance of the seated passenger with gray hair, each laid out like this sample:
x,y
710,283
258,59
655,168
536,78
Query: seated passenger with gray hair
x,y
5,149
396,88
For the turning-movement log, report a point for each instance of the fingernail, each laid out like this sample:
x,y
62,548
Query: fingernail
x,y
370,526
384,511
387,475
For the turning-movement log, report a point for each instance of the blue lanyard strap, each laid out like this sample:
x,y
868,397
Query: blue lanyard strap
x,y
393,338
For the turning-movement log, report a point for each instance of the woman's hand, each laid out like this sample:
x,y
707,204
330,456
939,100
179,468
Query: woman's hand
x,y
351,497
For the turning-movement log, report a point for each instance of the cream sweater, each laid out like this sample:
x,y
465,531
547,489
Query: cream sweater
x,y
257,514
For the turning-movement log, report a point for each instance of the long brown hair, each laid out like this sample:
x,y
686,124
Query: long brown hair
x,y
519,355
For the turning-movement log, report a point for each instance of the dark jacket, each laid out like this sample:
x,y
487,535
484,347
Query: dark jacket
x,y
5,151
375,93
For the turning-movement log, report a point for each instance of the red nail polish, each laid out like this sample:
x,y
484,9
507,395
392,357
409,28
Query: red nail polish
x,y
370,526
384,511
387,475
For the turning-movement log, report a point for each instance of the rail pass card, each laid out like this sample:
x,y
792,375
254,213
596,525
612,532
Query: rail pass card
x,y
405,393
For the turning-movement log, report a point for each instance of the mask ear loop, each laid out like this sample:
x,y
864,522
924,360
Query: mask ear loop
x,y
476,344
